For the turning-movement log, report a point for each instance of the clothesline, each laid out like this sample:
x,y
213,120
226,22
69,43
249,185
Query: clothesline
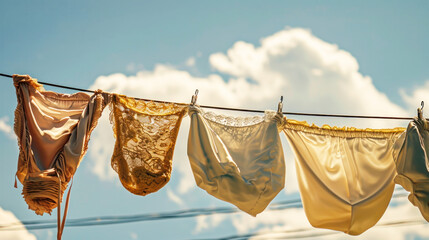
x,y
236,109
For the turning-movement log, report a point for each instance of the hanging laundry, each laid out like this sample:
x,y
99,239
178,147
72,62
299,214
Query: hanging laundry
x,y
345,175
238,160
145,134
53,131
412,164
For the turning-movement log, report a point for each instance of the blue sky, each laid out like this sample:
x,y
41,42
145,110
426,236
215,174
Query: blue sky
x,y
372,56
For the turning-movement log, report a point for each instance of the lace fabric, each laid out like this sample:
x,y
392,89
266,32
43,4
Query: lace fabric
x,y
238,121
236,129
145,135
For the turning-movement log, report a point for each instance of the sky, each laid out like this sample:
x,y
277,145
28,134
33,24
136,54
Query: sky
x,y
339,57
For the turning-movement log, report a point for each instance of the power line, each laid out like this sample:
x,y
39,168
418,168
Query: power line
x,y
237,109
109,220
265,233
286,233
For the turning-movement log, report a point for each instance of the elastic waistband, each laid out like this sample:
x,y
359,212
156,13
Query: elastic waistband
x,y
303,126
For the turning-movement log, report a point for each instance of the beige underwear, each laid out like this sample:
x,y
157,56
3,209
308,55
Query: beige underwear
x,y
53,131
238,160
345,175
412,164
145,134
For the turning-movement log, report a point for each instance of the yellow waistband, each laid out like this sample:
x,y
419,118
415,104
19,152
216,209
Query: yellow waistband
x,y
341,131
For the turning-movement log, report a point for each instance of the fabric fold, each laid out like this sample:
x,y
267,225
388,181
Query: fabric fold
x,y
412,164
145,133
237,160
345,175
53,131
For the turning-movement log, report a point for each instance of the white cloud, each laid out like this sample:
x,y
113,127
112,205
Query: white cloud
x,y
50,234
201,223
133,67
181,162
174,198
7,217
290,218
6,128
313,75
101,148
205,222
291,181
190,62
134,235
413,100
45,234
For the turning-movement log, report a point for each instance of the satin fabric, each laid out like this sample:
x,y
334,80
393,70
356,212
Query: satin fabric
x,y
345,175
412,164
53,131
237,160
145,134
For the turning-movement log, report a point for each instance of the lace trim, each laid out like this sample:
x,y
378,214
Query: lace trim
x,y
238,121
149,108
341,131
238,129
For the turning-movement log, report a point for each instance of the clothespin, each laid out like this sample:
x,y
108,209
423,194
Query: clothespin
x,y
420,110
280,107
194,98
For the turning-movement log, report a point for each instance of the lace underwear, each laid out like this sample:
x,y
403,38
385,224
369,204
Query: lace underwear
x,y
412,164
53,131
345,175
235,159
145,134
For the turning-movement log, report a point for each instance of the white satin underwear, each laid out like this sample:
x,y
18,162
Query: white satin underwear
x,y
238,160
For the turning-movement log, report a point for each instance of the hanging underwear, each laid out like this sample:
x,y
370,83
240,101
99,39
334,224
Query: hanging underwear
x,y
412,164
238,160
145,134
53,131
345,175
